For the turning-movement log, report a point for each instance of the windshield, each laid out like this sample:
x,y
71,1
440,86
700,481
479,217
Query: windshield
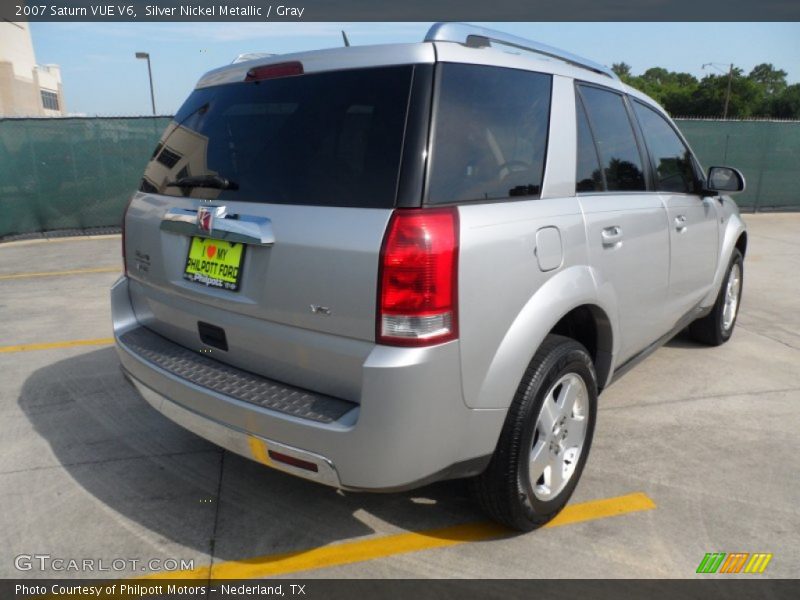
x,y
328,139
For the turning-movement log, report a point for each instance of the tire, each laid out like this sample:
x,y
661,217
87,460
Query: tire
x,y
717,326
505,490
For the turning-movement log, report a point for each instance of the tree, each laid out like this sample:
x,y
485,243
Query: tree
x,y
762,92
671,90
745,100
787,104
622,69
771,79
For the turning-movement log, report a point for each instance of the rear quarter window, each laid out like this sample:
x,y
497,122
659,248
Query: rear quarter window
x,y
490,136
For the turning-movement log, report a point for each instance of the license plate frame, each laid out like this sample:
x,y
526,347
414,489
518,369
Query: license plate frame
x,y
204,267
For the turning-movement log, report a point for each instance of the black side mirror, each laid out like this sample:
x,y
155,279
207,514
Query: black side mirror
x,y
725,179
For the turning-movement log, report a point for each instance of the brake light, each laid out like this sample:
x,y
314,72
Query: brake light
x,y
418,278
286,69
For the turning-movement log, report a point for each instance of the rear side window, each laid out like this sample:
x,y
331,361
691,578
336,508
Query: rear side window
x,y
672,160
589,177
326,139
616,145
490,135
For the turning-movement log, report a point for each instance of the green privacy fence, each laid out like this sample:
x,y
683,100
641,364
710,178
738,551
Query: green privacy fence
x,y
72,173
77,173
767,152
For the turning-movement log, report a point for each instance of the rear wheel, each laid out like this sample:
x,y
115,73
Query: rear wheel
x,y
716,327
545,440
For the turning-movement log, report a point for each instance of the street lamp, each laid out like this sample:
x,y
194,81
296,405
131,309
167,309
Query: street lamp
x,y
730,79
145,55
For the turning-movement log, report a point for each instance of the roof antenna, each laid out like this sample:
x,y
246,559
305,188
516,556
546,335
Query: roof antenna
x,y
346,41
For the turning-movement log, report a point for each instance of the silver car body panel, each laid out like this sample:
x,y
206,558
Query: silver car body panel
x,y
320,257
411,422
240,441
559,175
420,410
731,228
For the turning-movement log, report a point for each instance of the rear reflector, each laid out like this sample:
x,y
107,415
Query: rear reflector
x,y
286,69
417,298
291,460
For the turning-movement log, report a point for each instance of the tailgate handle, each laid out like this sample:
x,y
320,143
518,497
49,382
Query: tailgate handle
x,y
247,229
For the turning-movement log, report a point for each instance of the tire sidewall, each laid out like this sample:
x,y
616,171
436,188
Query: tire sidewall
x,y
571,358
725,335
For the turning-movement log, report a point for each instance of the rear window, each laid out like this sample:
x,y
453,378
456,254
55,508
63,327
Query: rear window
x,y
327,139
490,134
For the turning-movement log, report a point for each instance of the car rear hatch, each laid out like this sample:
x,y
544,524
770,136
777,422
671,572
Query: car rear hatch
x,y
257,231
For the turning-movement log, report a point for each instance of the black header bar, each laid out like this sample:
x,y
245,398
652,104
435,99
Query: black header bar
x,y
400,10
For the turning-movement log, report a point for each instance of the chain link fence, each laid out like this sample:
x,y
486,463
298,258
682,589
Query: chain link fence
x,y
78,173
71,173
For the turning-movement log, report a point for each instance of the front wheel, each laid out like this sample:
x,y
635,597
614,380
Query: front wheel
x,y
716,327
545,440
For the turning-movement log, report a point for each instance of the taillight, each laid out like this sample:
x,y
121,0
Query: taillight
x,y
286,69
418,278
124,257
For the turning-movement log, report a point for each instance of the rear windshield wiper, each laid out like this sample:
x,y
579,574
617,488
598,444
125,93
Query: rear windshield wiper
x,y
204,181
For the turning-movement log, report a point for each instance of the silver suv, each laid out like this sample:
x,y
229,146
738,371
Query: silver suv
x,y
376,267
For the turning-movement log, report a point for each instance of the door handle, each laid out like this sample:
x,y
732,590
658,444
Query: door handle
x,y
612,236
680,223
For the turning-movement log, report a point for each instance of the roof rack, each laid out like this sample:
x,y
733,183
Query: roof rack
x,y
481,37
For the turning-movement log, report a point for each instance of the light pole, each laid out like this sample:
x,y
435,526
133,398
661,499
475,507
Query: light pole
x,y
730,80
145,55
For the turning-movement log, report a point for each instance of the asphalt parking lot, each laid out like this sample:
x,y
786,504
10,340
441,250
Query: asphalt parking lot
x,y
697,450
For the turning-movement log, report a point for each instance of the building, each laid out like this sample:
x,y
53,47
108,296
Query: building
x,y
26,89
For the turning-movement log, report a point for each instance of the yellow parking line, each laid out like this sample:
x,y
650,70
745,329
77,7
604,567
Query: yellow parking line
x,y
54,345
371,549
56,273
58,240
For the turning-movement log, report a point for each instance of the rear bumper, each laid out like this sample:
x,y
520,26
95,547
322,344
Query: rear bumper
x,y
239,441
411,425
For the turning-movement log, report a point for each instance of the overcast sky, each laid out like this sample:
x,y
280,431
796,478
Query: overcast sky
x,y
102,77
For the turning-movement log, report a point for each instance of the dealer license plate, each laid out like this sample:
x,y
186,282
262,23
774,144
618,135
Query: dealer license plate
x,y
215,263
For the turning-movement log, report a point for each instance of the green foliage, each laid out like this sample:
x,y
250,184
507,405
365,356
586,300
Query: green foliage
x,y
787,104
622,70
772,80
763,92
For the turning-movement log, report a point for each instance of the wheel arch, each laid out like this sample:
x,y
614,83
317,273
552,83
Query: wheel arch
x,y
589,325
741,243
566,301
733,237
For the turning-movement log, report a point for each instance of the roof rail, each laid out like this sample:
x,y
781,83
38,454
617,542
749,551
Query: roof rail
x,y
481,37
